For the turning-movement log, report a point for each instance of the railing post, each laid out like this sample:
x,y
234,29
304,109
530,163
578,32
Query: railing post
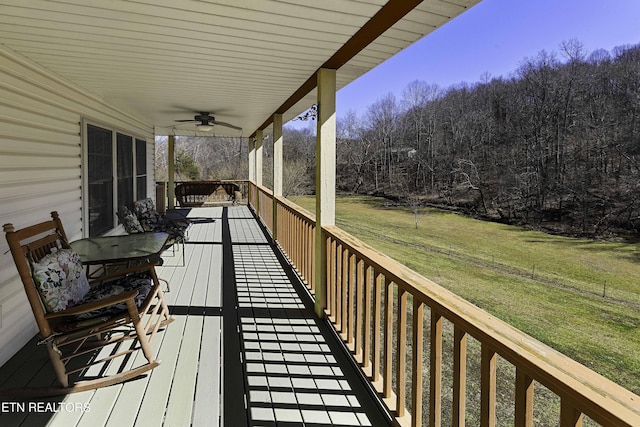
x,y
161,197
171,168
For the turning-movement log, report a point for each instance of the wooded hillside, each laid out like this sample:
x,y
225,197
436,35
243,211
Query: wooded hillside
x,y
555,145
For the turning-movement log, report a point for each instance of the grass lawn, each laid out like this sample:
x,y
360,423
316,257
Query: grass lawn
x,y
550,287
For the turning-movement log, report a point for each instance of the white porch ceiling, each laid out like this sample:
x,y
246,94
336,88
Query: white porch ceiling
x,y
163,60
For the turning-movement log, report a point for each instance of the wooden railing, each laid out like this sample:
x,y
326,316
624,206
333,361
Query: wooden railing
x,y
162,191
474,367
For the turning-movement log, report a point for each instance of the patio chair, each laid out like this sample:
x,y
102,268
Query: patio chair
x,y
82,323
152,220
132,224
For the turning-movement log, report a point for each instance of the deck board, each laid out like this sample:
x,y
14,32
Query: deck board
x,y
179,407
208,400
244,340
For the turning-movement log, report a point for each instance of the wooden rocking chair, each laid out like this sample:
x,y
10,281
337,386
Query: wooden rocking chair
x,y
95,328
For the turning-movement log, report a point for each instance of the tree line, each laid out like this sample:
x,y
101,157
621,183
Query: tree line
x,y
555,145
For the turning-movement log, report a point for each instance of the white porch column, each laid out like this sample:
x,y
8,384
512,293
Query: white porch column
x,y
171,171
277,169
257,165
252,171
258,161
325,179
252,159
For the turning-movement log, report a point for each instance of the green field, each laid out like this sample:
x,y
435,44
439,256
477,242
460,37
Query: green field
x,y
581,297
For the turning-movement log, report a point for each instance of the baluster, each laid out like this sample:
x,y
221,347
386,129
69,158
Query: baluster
x,y
366,344
359,310
351,295
377,297
569,415
388,338
331,277
417,361
311,250
459,376
435,401
338,296
488,387
401,374
524,400
345,293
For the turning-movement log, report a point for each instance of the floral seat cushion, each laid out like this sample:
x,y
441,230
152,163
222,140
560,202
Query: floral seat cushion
x,y
129,221
147,214
60,279
151,220
142,282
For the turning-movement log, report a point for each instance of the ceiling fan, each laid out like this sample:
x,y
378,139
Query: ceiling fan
x,y
206,122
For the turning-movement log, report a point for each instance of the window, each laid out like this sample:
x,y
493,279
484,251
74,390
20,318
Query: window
x,y
141,169
116,175
125,170
100,179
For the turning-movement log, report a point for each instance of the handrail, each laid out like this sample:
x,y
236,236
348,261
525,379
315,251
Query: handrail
x,y
363,283
166,192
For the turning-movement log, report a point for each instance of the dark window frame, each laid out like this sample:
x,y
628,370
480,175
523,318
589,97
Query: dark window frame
x,y
125,157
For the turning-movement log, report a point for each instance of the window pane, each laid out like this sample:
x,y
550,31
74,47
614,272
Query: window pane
x,y
141,169
100,179
125,170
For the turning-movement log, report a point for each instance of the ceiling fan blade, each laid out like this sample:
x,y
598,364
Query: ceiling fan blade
x,y
186,121
229,125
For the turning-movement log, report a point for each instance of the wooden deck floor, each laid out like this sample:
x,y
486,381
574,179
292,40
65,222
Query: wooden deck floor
x,y
245,348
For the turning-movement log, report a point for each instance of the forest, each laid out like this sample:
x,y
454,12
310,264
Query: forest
x,y
553,146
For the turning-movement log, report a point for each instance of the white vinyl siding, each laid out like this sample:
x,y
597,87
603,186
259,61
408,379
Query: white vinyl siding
x,y
41,169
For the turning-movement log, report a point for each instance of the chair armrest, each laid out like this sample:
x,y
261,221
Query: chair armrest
x,y
94,305
176,223
148,266
177,216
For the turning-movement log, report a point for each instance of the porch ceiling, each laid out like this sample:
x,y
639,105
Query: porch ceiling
x,y
241,60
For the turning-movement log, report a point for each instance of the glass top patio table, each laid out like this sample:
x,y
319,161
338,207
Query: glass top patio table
x,y
115,249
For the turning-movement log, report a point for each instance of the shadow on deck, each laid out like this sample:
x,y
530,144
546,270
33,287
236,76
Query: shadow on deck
x,y
245,348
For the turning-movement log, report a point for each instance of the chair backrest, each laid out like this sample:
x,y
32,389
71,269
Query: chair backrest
x,y
31,244
129,221
144,207
147,214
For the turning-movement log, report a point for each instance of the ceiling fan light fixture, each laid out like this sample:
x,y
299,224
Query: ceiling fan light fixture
x,y
204,128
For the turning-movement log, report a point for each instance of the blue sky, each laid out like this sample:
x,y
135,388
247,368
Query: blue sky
x,y
494,37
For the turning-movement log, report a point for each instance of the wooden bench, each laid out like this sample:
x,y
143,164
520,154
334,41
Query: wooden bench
x,y
200,193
